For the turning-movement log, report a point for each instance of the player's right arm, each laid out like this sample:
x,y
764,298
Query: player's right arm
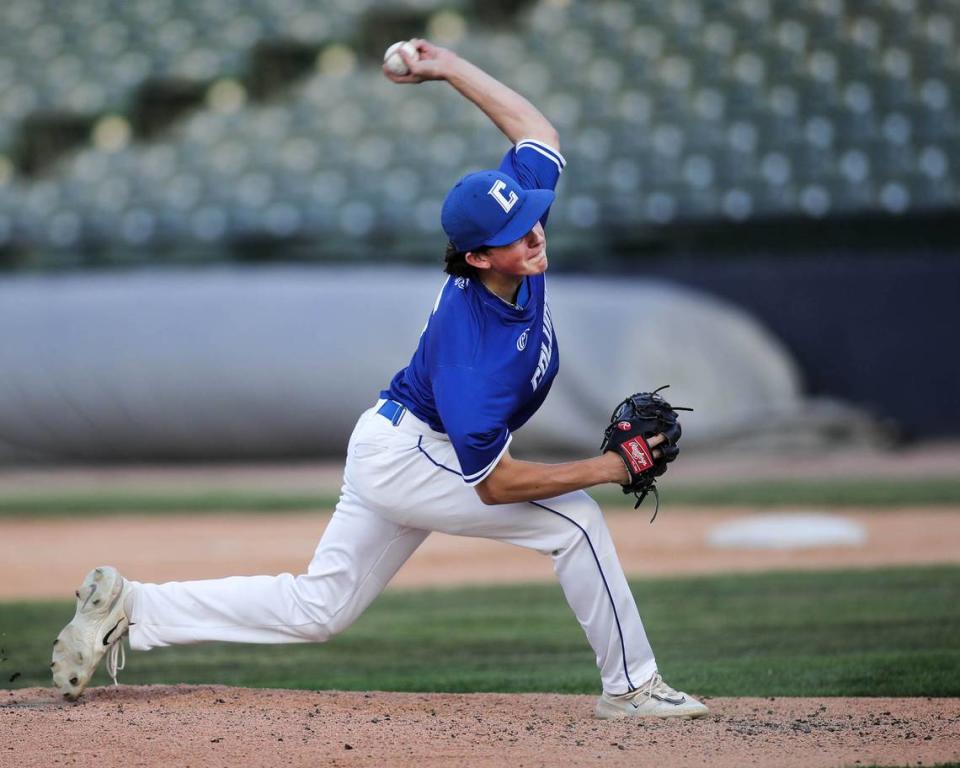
x,y
514,115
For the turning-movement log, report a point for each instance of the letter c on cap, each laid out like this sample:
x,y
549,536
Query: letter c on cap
x,y
496,192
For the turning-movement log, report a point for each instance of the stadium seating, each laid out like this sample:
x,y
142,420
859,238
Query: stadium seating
x,y
88,56
692,110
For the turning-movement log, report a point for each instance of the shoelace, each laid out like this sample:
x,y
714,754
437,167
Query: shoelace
x,y
657,687
116,659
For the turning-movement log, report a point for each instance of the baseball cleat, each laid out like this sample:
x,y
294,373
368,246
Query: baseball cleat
x,y
652,699
95,631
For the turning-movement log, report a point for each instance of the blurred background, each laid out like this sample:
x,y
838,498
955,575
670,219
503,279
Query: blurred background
x,y
219,223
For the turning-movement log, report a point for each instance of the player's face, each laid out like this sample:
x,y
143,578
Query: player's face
x,y
526,256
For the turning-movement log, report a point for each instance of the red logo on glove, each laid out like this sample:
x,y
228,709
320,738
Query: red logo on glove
x,y
637,452
624,426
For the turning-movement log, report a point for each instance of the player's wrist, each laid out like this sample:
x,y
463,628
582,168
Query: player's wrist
x,y
615,467
438,63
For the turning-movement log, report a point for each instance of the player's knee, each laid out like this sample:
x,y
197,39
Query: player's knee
x,y
319,627
339,623
329,610
585,524
316,633
589,515
313,602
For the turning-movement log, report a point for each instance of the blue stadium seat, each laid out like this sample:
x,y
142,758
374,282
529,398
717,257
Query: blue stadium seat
x,y
669,112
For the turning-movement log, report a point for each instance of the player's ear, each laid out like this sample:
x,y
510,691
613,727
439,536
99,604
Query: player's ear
x,y
477,259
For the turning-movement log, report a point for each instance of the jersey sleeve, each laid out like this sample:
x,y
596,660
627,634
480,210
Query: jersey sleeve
x,y
533,164
474,417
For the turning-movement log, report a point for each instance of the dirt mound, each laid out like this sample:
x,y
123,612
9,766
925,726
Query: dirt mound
x,y
220,726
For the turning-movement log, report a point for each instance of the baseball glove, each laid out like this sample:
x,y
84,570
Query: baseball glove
x,y
635,421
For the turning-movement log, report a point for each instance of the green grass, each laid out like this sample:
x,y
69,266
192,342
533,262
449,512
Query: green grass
x,y
159,501
838,492
853,633
770,493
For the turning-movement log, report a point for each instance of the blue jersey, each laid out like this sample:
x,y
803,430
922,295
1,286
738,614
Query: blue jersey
x,y
483,367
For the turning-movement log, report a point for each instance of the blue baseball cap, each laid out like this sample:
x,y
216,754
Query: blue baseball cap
x,y
491,208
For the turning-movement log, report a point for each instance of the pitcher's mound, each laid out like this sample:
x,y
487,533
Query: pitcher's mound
x,y
221,726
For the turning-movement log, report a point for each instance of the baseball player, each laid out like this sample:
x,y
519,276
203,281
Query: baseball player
x,y
433,453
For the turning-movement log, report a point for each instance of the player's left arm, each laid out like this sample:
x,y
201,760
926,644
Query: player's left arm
x,y
513,480
514,115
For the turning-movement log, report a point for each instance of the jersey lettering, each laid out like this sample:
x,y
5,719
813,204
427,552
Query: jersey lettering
x,y
496,192
546,349
522,341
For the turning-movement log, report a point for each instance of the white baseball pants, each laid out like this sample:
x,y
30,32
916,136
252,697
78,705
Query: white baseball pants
x,y
400,483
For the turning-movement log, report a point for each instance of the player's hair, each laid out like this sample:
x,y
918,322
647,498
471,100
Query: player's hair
x,y
455,261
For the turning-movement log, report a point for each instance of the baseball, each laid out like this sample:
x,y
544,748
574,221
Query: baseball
x,y
392,59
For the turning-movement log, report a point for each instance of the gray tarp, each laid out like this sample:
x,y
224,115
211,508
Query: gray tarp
x,y
279,361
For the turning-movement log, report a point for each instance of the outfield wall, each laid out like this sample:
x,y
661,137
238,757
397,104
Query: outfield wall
x,y
874,327
230,363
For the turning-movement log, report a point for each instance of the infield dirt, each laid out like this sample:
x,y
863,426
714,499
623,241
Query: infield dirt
x,y
152,548
218,726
